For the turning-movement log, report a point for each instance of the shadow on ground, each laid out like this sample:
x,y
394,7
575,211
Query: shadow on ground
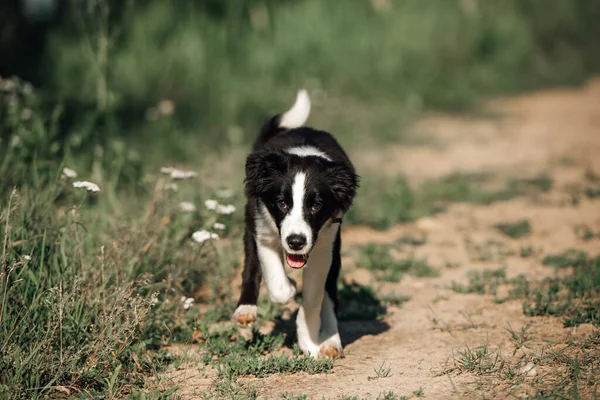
x,y
360,313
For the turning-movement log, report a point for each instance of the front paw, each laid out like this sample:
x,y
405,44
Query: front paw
x,y
245,314
331,350
283,294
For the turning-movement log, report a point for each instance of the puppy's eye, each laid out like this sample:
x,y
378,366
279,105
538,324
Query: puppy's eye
x,y
315,208
282,205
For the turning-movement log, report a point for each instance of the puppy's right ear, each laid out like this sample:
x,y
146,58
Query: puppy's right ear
x,y
263,169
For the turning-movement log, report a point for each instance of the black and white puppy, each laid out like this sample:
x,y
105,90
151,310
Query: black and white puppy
x,y
299,184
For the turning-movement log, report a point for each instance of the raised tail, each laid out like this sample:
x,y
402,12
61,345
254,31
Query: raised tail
x,y
295,117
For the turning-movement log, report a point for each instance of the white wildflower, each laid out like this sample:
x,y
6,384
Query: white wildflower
x,y
219,226
203,236
175,173
225,209
186,207
225,193
180,175
69,173
187,302
28,258
89,186
211,204
154,301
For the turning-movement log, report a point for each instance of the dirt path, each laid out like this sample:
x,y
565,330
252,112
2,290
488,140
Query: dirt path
x,y
557,132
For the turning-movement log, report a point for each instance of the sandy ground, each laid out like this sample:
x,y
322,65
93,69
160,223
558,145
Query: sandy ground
x,y
557,132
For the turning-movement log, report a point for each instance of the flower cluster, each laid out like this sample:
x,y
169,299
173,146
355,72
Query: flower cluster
x,y
222,209
89,186
178,174
202,236
187,302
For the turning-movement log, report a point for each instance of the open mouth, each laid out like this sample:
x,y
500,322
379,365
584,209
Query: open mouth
x,y
296,261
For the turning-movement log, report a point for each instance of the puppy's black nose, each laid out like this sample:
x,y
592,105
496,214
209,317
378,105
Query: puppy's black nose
x,y
296,242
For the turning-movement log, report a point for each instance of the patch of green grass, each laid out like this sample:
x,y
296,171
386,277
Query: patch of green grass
x,y
413,240
482,282
488,281
419,392
390,396
569,258
382,203
289,396
490,250
574,297
526,251
235,357
515,230
378,259
585,233
573,369
90,285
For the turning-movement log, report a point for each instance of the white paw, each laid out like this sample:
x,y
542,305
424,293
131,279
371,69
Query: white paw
x,y
283,294
245,314
310,349
331,348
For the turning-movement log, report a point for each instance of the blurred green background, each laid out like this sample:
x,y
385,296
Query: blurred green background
x,y
160,80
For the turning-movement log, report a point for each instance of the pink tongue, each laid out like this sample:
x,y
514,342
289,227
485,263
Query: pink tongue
x,y
296,260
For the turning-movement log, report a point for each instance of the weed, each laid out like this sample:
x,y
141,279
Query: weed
x,y
389,396
377,258
519,338
419,392
515,230
570,258
452,264
412,240
526,251
490,250
479,360
394,299
574,297
381,371
584,233
289,396
484,282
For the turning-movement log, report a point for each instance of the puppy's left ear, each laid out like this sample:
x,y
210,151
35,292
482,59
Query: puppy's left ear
x,y
343,183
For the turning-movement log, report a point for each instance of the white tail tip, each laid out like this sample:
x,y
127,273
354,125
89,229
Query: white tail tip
x,y
296,116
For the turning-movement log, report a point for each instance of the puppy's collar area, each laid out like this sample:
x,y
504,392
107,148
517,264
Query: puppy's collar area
x,y
336,221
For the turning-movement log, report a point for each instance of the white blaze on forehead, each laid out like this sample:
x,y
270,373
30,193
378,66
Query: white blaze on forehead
x,y
294,222
305,151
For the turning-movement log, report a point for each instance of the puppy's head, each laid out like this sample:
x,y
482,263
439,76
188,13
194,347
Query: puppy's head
x,y
301,194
